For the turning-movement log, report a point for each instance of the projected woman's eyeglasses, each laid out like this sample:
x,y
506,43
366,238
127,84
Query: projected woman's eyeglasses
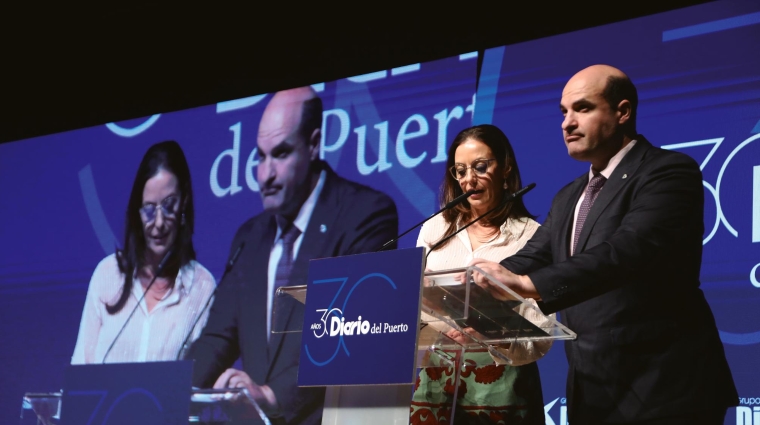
x,y
168,208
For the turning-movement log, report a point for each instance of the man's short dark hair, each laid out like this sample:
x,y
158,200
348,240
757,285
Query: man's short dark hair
x,y
619,89
311,116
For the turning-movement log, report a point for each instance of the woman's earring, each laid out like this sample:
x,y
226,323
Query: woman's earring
x,y
505,185
183,219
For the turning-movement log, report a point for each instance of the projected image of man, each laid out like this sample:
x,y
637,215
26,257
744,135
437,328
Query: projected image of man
x,y
309,212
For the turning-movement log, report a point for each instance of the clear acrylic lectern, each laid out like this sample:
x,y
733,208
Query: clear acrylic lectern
x,y
456,317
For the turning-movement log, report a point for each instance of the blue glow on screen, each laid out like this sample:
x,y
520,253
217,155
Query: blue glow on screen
x,y
698,77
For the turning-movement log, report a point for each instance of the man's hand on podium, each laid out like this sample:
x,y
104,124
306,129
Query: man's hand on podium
x,y
262,394
522,285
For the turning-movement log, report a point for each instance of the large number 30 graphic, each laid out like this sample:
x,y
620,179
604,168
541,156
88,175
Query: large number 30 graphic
x,y
715,190
103,395
323,319
330,310
720,217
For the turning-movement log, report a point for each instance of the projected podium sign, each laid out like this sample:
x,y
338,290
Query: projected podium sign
x,y
155,393
361,319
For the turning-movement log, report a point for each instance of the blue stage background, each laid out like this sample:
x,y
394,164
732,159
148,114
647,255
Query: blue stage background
x,y
63,196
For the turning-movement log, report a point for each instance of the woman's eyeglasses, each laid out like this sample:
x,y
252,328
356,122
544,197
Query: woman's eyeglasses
x,y
479,167
168,208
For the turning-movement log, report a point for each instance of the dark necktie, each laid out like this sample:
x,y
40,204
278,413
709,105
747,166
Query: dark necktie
x,y
289,235
592,191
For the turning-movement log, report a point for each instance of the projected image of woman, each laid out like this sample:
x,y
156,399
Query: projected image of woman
x,y
481,158
159,225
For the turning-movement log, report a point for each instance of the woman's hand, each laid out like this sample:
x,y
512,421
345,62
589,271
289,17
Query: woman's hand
x,y
466,336
458,336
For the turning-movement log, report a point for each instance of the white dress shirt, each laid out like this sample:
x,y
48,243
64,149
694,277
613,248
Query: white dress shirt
x,y
149,336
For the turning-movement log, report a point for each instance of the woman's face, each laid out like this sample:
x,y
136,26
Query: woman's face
x,y
160,213
478,170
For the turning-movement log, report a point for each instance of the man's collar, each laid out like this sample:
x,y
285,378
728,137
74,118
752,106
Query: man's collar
x,y
304,214
613,162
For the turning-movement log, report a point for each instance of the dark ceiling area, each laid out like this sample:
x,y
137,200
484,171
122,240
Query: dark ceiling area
x,y
65,69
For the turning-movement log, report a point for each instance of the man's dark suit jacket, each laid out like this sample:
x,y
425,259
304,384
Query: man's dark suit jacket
x,y
647,344
348,219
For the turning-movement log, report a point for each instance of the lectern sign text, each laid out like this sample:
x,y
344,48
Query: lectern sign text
x,y
361,319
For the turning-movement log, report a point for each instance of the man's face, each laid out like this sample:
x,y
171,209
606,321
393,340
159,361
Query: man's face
x,y
590,123
283,171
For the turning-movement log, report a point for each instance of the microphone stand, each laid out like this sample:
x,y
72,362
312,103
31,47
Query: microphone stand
x,y
159,270
459,199
227,268
510,198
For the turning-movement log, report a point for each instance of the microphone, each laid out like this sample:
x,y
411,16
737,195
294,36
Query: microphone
x,y
508,198
233,260
456,201
227,268
521,192
159,270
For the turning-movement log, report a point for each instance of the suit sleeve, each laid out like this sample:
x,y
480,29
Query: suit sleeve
x,y
537,253
218,346
295,403
664,212
374,221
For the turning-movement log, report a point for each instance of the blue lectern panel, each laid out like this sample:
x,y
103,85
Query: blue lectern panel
x,y
360,323
130,393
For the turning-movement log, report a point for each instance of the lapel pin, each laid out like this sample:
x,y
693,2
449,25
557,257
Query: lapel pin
x,y
625,176
322,228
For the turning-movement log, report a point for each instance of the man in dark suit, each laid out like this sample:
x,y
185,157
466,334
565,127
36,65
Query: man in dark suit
x,y
309,212
620,254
